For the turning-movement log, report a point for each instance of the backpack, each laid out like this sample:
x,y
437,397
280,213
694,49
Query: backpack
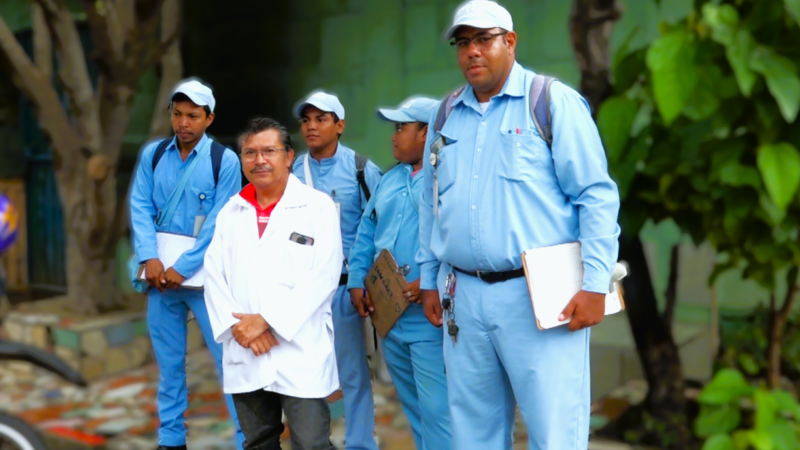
x,y
539,103
217,151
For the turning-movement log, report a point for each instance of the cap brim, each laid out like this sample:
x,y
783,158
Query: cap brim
x,y
485,24
192,96
394,115
324,108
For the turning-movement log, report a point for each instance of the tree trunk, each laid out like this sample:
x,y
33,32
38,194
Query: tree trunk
x,y
171,70
778,318
661,363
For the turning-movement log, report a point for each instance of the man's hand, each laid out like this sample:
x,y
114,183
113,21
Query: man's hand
x,y
432,307
263,344
154,274
412,293
250,327
361,301
586,308
173,279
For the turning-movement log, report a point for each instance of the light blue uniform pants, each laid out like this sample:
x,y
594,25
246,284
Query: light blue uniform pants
x,y
413,352
354,375
501,356
166,317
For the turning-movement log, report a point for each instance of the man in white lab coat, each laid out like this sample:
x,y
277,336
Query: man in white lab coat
x,y
271,272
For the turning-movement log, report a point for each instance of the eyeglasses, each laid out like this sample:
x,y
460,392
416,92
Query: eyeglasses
x,y
267,153
481,40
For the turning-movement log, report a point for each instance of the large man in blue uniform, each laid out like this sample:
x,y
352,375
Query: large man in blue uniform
x,y
331,167
501,190
413,347
192,111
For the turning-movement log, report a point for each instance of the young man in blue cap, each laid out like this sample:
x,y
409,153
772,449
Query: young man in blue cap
x,y
413,347
349,179
216,176
501,179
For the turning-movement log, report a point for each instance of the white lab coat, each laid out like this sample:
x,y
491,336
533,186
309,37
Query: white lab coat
x,y
289,284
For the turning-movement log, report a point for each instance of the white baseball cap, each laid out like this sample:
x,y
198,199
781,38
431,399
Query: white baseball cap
x,y
198,93
483,14
324,102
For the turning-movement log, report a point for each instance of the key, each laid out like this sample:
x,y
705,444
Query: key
x,y
446,303
452,330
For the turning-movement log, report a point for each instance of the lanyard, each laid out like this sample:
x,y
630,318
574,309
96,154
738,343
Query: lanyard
x,y
414,200
307,172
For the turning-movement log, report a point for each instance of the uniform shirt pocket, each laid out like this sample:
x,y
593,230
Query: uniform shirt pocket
x,y
296,262
446,169
522,156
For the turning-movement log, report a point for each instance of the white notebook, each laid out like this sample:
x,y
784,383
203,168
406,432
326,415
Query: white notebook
x,y
555,275
170,247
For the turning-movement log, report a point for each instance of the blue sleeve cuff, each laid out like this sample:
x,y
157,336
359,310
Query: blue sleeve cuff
x,y
595,280
146,254
355,280
428,273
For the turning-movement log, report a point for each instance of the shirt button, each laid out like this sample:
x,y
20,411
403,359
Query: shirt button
x,y
519,145
483,123
399,216
479,149
404,194
473,206
476,177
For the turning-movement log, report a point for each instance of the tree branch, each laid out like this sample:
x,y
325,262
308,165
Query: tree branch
x,y
671,293
590,26
42,48
39,90
73,71
791,291
171,66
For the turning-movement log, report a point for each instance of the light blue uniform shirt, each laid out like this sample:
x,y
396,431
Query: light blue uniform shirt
x,y
503,191
338,174
395,225
151,191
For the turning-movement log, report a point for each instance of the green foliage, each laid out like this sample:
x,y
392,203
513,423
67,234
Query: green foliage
x,y
744,339
772,418
702,129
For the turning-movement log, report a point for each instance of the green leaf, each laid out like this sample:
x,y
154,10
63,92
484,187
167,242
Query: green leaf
x,y
766,407
779,165
738,53
786,402
782,80
614,121
741,439
719,442
704,102
736,174
774,213
671,60
783,436
793,8
727,386
717,419
722,20
749,364
761,440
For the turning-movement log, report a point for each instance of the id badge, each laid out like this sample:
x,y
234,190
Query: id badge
x,y
198,224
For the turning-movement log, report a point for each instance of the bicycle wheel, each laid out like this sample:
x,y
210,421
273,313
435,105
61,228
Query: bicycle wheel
x,y
15,434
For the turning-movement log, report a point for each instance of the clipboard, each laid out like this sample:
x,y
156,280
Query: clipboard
x,y
554,275
385,283
170,247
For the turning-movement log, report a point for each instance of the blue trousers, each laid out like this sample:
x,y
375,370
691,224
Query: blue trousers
x,y
413,352
166,318
354,375
501,356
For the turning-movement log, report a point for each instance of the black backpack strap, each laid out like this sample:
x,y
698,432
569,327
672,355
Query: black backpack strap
x,y
162,147
217,152
361,164
540,106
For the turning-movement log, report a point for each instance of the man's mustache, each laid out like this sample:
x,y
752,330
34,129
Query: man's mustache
x,y
262,168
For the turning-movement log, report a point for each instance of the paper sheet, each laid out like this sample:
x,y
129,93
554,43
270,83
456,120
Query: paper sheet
x,y
555,275
170,247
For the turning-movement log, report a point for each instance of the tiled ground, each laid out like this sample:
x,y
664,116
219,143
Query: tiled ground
x,y
119,413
